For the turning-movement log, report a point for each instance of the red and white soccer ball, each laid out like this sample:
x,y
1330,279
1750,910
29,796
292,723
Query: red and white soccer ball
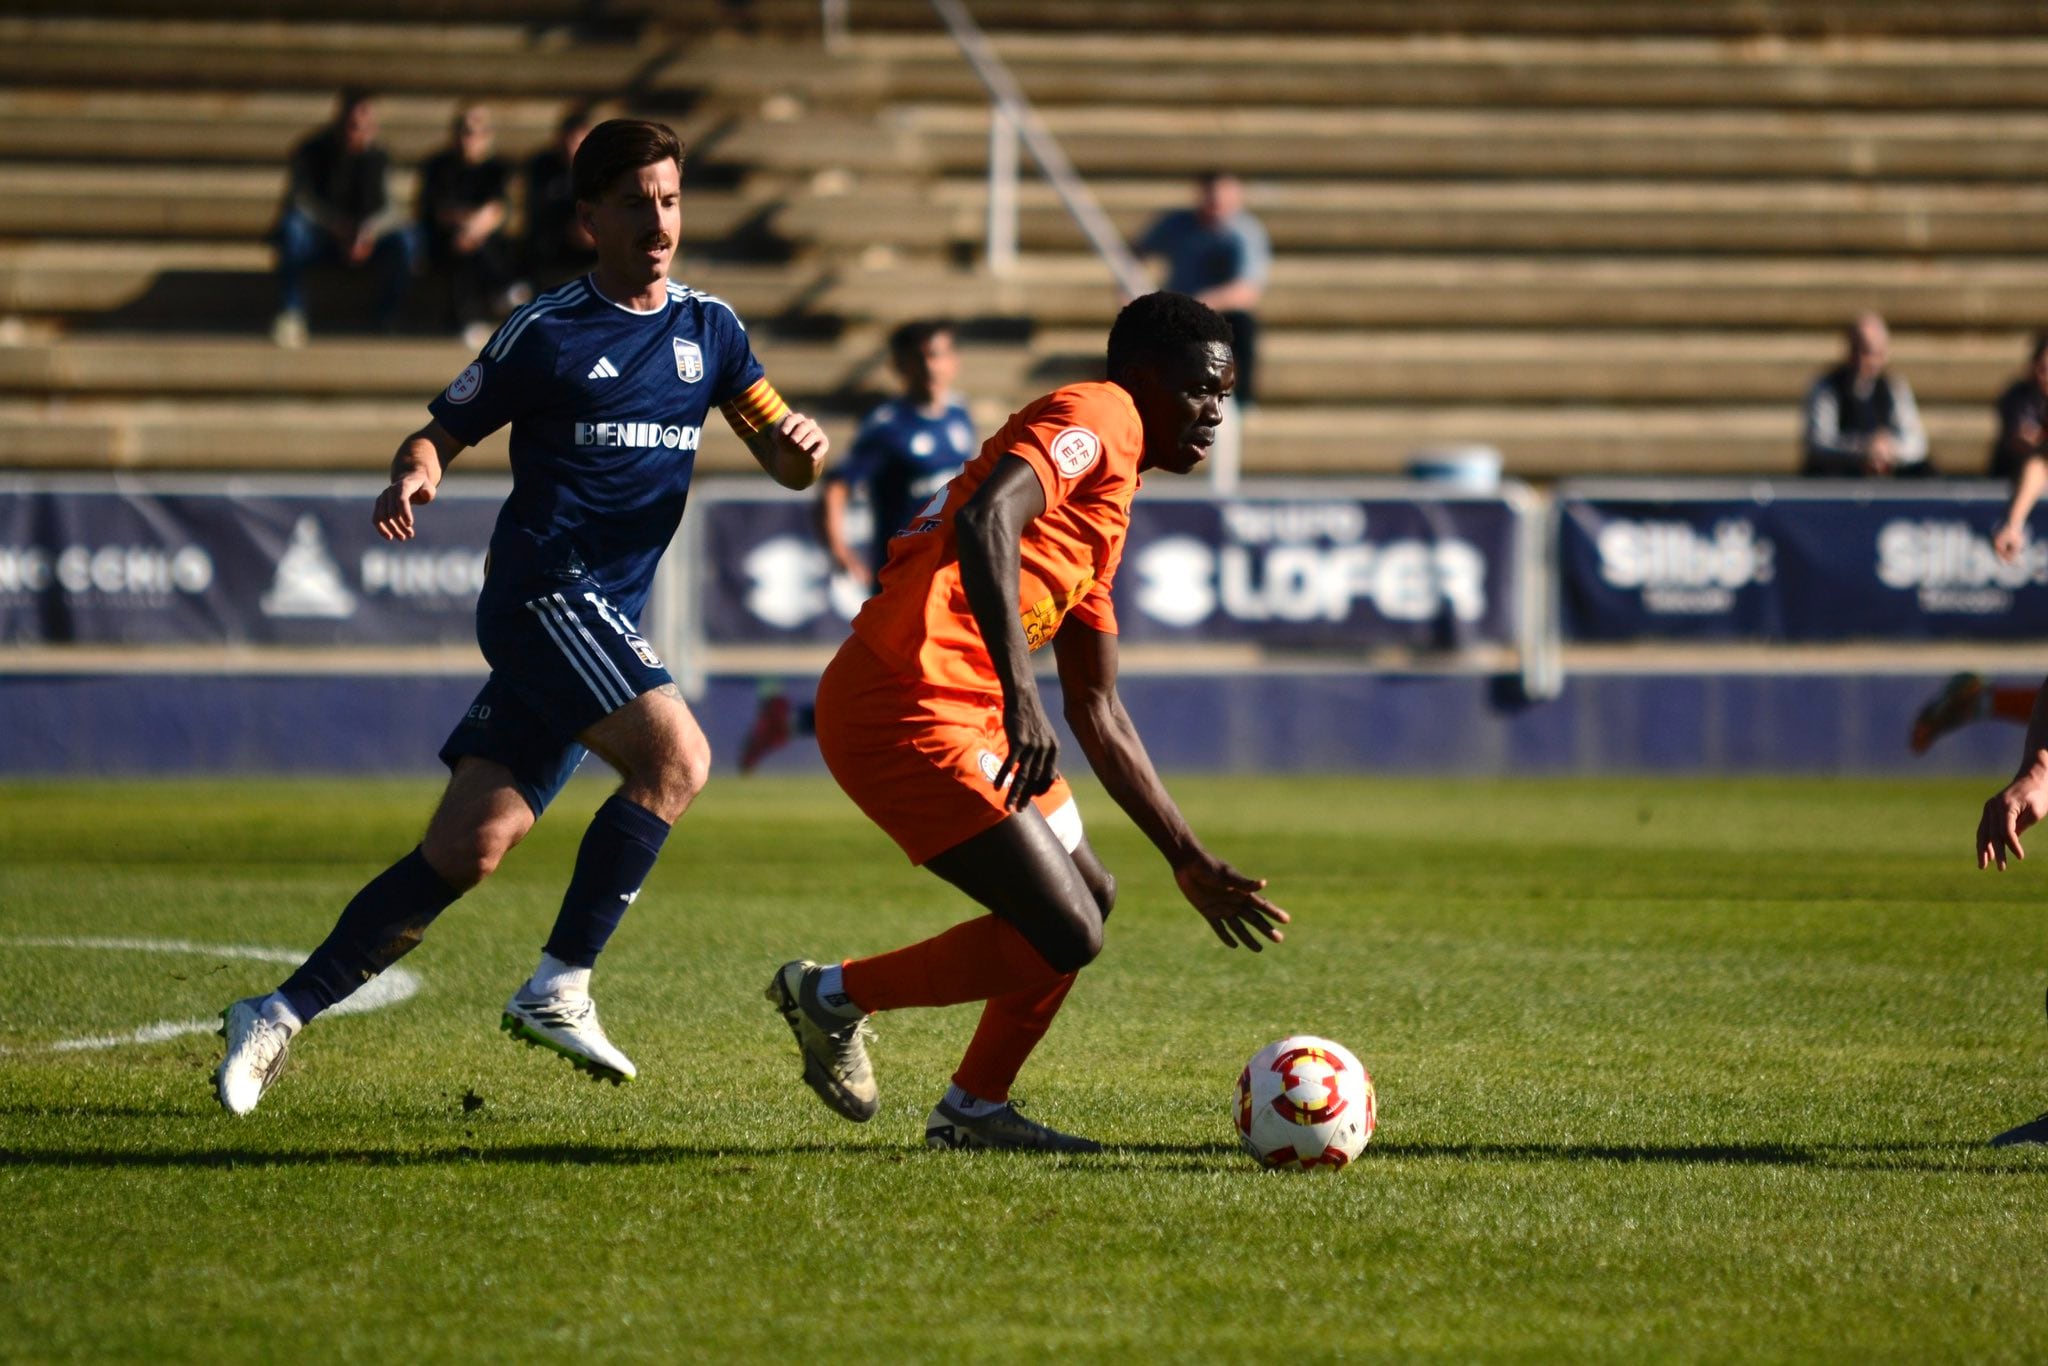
x,y
1303,1103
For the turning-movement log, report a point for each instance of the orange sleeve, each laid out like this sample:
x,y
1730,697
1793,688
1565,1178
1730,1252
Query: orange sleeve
x,y
1063,443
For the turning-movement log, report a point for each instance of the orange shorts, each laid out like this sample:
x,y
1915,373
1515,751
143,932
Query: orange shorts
x,y
921,761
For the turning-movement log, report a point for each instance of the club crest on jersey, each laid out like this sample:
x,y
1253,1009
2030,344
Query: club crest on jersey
x,y
465,386
689,360
1075,449
640,647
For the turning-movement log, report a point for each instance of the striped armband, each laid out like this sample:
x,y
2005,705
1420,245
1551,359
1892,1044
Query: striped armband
x,y
756,410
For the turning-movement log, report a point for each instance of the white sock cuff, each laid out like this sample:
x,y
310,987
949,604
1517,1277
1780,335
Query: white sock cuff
x,y
555,978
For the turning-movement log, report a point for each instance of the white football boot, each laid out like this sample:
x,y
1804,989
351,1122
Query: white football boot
x,y
567,1025
1002,1127
255,1055
834,1050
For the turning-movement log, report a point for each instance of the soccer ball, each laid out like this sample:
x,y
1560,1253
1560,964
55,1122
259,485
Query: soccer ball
x,y
1304,1102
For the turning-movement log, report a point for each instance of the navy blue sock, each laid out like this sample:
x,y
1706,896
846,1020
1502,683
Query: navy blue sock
x,y
380,926
618,853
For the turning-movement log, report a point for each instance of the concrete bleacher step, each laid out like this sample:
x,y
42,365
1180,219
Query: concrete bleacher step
x,y
1537,441
1417,290
190,365
1272,143
1633,367
1737,18
478,59
1298,367
169,126
169,201
1556,441
1735,217
216,286
259,435
1873,74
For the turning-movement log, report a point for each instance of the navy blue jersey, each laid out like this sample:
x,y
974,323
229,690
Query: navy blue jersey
x,y
901,457
607,407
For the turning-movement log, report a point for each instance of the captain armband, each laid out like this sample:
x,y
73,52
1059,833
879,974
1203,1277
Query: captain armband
x,y
755,411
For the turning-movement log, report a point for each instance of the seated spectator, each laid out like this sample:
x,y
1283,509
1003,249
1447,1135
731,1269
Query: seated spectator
x,y
1861,419
462,211
337,211
556,247
1218,252
2022,416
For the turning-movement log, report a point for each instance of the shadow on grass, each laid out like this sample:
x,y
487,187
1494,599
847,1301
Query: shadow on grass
x,y
739,1161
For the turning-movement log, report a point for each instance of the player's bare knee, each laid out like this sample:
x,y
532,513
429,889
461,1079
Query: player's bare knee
x,y
1072,944
1103,888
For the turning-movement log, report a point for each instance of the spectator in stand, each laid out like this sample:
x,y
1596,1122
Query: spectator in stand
x,y
462,210
1218,252
337,210
1860,418
2022,418
557,245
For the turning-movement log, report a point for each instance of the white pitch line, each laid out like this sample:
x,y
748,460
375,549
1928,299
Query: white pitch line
x,y
388,989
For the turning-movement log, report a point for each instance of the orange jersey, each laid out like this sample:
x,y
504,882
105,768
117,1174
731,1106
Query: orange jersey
x,y
1084,442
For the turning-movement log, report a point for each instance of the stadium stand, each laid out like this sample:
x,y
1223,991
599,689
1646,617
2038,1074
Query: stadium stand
x,y
1601,237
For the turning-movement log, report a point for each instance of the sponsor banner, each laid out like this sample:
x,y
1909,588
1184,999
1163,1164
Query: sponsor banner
x,y
1790,565
1298,571
259,563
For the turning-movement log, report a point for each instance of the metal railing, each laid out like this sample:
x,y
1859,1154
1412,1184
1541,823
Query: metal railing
x,y
1012,121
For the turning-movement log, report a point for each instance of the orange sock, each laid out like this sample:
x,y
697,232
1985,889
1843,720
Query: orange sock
x,y
1011,1026
2013,704
973,961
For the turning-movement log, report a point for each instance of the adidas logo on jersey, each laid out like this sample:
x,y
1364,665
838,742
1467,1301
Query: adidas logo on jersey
x,y
604,369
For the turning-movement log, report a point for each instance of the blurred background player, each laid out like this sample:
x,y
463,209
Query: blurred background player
x,y
1861,419
606,382
907,450
1218,252
930,719
556,246
2017,455
337,211
2017,808
463,204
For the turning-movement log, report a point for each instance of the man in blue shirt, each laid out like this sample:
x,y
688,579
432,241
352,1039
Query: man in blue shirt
x,y
606,383
1218,252
907,449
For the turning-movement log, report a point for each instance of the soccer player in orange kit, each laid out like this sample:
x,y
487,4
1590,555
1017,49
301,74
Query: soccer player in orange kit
x,y
930,720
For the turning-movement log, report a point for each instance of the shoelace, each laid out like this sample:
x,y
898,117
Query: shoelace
x,y
848,1040
267,1044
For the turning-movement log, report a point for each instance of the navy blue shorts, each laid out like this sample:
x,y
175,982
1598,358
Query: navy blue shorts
x,y
559,664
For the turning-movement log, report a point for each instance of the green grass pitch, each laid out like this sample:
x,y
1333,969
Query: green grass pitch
x,y
1668,1069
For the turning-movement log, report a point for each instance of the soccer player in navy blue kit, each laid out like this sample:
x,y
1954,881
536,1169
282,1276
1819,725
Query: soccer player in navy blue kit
x,y
907,449
607,382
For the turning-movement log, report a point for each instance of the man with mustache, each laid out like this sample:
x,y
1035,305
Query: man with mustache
x,y
606,383
930,720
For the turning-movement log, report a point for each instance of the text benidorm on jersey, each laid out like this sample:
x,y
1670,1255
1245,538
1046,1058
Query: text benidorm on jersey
x,y
647,434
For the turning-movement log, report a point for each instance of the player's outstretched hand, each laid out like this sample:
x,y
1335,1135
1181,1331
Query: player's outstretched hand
x,y
2009,541
394,505
2020,805
1230,902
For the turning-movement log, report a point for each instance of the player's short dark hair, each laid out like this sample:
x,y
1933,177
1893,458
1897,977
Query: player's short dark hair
x,y
911,338
1159,327
2040,348
351,98
617,146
